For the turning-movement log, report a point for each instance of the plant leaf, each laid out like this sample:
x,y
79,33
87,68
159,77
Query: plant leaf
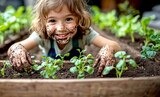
x,y
107,69
132,63
73,70
120,64
89,69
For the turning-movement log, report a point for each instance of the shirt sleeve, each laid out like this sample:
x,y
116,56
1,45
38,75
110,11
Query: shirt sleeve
x,y
35,36
91,36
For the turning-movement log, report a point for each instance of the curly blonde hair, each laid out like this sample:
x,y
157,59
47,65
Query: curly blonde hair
x,y
42,8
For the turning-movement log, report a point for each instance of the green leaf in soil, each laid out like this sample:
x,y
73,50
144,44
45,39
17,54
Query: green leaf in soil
x,y
81,76
120,64
90,61
120,54
89,69
132,63
107,69
73,70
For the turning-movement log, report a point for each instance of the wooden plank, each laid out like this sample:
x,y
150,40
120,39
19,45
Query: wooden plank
x,y
102,87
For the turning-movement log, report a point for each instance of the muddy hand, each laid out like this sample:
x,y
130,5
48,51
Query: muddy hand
x,y
19,58
104,58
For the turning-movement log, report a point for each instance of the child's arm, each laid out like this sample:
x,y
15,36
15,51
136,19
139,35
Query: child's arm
x,y
100,41
19,56
105,56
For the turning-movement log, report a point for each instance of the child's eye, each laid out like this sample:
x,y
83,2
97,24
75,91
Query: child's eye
x,y
51,21
69,19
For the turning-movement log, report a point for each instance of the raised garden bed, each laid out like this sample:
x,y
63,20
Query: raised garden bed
x,y
33,85
144,81
112,87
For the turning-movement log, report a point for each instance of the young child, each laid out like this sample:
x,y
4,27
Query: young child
x,y
59,27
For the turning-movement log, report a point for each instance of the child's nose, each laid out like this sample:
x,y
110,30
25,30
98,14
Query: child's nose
x,y
60,26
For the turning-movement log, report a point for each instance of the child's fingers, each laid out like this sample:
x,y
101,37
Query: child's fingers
x,y
29,58
101,66
96,61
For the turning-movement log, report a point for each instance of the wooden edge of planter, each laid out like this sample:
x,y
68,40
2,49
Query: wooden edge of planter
x,y
101,87
82,80
90,87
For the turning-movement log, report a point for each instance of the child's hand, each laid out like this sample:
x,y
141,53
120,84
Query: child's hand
x,y
104,58
19,58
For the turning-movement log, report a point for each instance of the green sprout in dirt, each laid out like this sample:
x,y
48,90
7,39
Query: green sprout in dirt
x,y
121,66
151,43
83,64
5,65
50,66
145,31
150,50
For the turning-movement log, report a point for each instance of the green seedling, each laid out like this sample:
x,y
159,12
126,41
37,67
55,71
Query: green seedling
x,y
150,50
121,66
83,64
5,65
50,66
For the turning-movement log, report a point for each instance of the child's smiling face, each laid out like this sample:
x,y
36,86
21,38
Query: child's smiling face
x,y
61,25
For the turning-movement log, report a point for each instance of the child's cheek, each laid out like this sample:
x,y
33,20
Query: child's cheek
x,y
72,28
50,30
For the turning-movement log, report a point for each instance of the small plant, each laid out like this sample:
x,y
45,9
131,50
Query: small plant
x,y
146,31
83,64
150,50
130,9
121,66
2,70
50,66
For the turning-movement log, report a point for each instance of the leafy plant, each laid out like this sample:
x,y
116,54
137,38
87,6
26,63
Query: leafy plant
x,y
13,20
83,64
145,31
50,66
121,66
122,25
130,10
126,25
150,50
100,18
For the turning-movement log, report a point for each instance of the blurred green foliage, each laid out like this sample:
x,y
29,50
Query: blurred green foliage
x,y
13,20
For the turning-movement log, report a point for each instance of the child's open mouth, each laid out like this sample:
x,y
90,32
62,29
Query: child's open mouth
x,y
62,38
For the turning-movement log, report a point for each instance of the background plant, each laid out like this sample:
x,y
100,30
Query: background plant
x,y
129,23
121,25
13,20
82,64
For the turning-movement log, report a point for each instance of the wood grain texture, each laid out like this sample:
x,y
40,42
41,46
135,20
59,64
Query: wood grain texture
x,y
102,87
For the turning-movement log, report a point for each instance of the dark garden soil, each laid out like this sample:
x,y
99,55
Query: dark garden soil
x,y
146,68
